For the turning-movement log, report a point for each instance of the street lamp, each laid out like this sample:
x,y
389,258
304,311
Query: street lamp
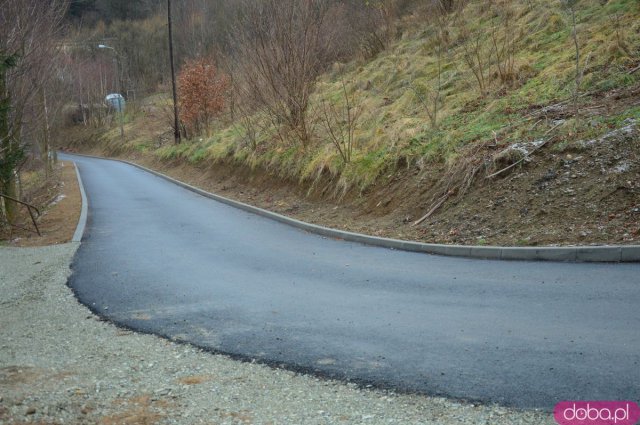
x,y
104,46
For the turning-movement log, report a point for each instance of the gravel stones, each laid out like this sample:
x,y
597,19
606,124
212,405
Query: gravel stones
x,y
61,364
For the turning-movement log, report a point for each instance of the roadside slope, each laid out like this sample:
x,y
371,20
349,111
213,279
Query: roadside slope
x,y
59,207
584,192
564,172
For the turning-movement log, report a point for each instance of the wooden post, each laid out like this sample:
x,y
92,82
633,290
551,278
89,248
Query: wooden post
x,y
176,120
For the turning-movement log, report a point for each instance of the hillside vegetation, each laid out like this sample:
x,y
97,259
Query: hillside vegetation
x,y
457,106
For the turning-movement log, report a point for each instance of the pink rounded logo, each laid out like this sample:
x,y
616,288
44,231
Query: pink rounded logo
x,y
596,413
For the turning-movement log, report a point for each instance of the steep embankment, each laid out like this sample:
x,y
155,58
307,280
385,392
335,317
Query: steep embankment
x,y
512,156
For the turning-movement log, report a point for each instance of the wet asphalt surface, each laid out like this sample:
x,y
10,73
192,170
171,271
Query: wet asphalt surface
x,y
158,258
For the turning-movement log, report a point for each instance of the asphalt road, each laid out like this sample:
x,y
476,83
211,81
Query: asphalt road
x,y
158,258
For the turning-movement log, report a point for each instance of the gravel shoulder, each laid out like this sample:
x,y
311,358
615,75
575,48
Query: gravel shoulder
x,y
59,363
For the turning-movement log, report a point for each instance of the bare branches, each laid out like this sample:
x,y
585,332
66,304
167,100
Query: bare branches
x,y
28,30
430,98
504,44
526,156
477,56
459,176
570,6
340,123
433,209
283,46
430,94
483,52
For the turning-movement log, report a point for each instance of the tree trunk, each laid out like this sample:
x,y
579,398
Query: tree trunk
x,y
45,149
7,180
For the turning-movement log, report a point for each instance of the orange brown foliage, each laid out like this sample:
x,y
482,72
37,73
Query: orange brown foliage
x,y
202,92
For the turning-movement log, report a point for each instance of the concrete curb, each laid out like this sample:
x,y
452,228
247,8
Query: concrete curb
x,y
82,221
605,253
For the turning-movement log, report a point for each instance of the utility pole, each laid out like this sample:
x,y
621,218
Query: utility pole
x,y
176,120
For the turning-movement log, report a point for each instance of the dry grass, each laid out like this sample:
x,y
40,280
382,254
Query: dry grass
x,y
139,410
195,379
394,129
59,204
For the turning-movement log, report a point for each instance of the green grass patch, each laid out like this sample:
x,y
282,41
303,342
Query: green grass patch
x,y
394,124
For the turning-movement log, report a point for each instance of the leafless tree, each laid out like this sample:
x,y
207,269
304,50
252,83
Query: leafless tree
x,y
340,121
503,39
477,50
570,6
477,54
282,46
379,18
89,78
28,32
430,95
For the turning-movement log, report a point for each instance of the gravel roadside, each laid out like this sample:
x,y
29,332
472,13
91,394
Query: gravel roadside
x,y
59,363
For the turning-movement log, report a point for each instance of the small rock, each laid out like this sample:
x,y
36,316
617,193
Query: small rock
x,y
163,391
30,411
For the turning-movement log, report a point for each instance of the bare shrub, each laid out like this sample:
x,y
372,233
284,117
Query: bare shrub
x,y
380,26
570,6
282,46
430,95
247,124
477,54
90,79
340,121
503,40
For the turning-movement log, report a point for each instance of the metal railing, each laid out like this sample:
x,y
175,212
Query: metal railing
x,y
30,208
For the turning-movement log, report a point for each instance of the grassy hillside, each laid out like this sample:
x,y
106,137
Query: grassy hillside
x,y
394,127
526,55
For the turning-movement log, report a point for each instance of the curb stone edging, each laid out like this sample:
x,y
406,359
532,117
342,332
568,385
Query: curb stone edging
x,y
604,253
82,220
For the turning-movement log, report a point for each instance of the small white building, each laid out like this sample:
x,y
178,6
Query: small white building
x,y
115,101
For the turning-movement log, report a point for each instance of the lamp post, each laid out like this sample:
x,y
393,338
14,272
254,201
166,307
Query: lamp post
x,y
104,46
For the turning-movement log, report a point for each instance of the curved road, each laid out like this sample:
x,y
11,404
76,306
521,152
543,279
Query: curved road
x,y
158,258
